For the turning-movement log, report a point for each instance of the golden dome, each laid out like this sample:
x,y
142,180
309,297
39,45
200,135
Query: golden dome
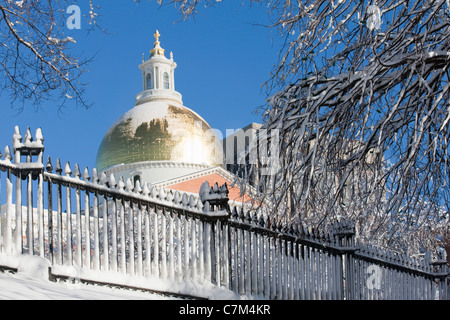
x,y
159,131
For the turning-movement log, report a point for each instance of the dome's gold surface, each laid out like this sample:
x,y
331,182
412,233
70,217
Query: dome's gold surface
x,y
159,131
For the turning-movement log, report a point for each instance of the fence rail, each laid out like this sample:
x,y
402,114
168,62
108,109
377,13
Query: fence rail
x,y
97,223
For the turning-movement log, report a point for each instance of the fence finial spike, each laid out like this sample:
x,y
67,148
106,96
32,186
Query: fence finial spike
x,y
77,172
17,139
28,138
267,222
67,169
241,214
153,193
94,175
234,213
103,178
162,193
199,204
192,201
248,217
137,187
121,183
146,190
261,222
49,165
254,217
129,185
206,207
169,196
184,199
8,156
17,133
39,136
86,176
204,190
177,197
58,168
224,189
112,180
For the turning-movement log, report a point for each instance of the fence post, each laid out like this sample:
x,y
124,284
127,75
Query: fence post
x,y
29,170
441,274
344,235
215,242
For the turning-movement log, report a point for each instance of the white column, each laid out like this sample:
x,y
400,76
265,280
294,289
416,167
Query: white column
x,y
157,82
172,80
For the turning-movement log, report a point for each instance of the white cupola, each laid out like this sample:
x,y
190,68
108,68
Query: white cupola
x,y
158,76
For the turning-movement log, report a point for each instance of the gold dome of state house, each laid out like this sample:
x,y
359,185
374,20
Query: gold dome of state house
x,y
159,131
159,127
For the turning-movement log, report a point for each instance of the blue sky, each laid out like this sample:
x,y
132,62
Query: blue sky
x,y
223,59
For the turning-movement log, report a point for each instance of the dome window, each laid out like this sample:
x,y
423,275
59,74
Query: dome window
x,y
166,81
148,81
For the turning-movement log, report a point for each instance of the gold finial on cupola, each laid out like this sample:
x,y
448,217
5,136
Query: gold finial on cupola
x,y
157,48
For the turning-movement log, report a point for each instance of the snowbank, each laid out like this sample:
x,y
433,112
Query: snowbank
x,y
185,287
36,270
32,266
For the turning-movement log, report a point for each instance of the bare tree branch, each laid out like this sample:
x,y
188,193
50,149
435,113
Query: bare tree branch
x,y
360,98
35,53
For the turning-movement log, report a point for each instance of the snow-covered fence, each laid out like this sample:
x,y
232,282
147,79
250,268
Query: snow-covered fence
x,y
99,225
93,222
275,262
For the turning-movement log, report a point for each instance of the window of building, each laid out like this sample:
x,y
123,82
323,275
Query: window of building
x,y
166,80
148,81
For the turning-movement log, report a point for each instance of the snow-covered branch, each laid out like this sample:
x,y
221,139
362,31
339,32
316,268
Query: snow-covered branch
x,y
36,60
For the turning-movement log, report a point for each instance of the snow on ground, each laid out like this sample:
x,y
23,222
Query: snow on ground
x,y
21,286
31,282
